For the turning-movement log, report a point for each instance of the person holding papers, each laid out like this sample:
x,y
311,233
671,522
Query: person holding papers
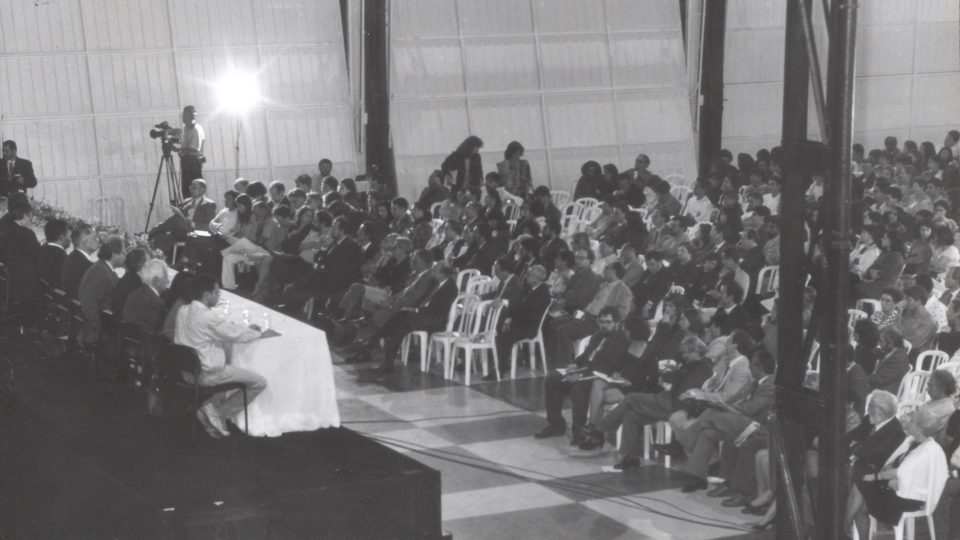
x,y
604,353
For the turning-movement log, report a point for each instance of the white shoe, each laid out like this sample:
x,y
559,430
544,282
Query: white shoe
x,y
215,419
207,425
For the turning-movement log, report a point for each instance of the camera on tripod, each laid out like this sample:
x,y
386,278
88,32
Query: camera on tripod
x,y
167,134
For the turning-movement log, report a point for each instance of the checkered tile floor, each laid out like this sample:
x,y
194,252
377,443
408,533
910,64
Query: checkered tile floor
x,y
501,483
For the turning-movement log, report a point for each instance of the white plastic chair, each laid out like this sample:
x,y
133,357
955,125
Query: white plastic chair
x,y
934,358
768,280
511,211
813,364
676,289
480,285
482,339
512,223
588,202
675,180
592,213
559,197
854,315
462,313
572,209
682,193
464,277
435,210
864,302
421,336
663,435
437,224
913,387
532,345
907,521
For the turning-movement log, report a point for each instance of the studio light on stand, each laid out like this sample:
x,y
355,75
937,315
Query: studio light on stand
x,y
238,92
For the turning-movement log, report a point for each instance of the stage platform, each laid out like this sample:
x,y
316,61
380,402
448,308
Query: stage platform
x,y
81,460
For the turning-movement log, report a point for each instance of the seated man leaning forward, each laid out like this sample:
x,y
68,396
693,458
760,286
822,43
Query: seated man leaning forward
x,y
205,329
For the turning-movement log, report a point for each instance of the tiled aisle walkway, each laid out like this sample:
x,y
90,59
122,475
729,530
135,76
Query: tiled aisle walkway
x,y
501,483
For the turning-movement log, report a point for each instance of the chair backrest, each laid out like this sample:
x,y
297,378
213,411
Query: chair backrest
x,y
682,193
176,359
930,360
437,224
868,306
464,277
569,225
588,202
475,283
559,197
591,213
675,179
458,319
854,315
768,280
486,315
677,289
813,364
713,215
481,288
435,209
109,210
572,209
512,223
511,211
913,387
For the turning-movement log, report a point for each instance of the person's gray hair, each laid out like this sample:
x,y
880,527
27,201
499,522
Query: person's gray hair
x,y
153,268
945,379
926,420
884,401
539,271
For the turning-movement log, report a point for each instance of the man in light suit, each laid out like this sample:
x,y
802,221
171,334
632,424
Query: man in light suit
x,y
728,423
144,307
16,174
95,287
419,285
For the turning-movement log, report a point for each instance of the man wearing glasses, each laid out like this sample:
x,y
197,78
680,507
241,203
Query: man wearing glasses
x,y
605,353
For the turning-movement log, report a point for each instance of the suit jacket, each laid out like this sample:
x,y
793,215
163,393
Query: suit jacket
x,y
609,357
758,403
652,288
20,252
51,259
395,278
340,266
484,258
22,167
871,449
145,309
370,252
738,319
858,386
549,251
890,371
432,316
581,289
509,290
125,285
527,312
74,267
204,215
94,295
415,293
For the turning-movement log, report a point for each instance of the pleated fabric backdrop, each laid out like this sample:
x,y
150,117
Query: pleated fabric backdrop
x,y
908,72
572,80
83,81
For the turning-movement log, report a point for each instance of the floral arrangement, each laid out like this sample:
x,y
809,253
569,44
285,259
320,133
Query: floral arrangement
x,y
44,211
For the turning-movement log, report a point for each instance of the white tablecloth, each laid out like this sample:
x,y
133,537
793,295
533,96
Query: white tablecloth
x,y
300,394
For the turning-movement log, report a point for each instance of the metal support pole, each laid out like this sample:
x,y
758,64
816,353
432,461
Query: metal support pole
x,y
791,366
818,99
711,82
833,364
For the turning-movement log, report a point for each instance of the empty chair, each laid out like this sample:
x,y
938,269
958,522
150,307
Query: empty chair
x,y
868,306
592,213
559,197
461,303
682,193
482,339
768,280
930,360
464,277
532,345
435,210
459,324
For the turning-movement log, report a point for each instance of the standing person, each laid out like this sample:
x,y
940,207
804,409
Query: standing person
x,y
515,171
325,179
191,149
20,253
85,245
207,331
16,174
463,165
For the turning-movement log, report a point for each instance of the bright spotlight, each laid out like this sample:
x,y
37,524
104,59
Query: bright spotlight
x,y
238,91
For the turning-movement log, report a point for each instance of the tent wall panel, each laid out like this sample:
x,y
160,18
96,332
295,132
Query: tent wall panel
x,y
28,27
495,18
129,25
501,65
44,85
133,82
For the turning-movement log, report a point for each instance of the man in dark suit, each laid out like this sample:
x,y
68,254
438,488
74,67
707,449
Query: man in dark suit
x,y
430,317
95,287
85,246
731,294
890,369
16,174
335,270
728,423
521,319
552,244
195,214
19,252
510,287
487,252
366,238
144,307
54,252
604,353
877,436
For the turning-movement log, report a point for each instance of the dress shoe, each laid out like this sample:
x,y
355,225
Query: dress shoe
x,y
755,510
673,449
696,485
629,462
550,431
207,426
214,419
736,501
592,440
492,376
385,367
722,490
363,355
577,435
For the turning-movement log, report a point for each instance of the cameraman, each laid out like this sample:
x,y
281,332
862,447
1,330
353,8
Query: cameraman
x,y
191,149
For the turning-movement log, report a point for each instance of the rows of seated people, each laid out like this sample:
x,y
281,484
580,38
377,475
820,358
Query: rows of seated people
x,y
629,272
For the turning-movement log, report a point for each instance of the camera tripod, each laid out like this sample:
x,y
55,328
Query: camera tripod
x,y
173,182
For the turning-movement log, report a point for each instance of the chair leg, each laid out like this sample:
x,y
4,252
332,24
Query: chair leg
x,y
647,435
667,435
423,352
404,349
496,361
513,360
246,415
543,352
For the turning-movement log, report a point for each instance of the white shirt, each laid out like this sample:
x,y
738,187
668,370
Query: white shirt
x,y
699,209
207,330
225,222
773,203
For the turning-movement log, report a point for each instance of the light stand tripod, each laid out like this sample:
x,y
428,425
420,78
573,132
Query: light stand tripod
x,y
173,182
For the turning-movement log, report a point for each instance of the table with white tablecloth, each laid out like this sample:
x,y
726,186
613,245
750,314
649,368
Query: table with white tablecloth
x,y
300,394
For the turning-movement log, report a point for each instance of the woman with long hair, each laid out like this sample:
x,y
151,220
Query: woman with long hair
x,y
348,190
463,165
886,268
514,171
920,253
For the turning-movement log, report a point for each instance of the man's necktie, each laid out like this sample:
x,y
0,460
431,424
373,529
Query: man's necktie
x,y
946,297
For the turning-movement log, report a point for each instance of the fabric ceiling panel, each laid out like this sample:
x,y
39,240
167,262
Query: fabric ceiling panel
x,y
743,43
934,52
666,158
421,19
650,116
44,85
570,16
505,119
304,75
429,128
58,148
125,145
934,95
887,90
643,15
501,65
495,17
28,27
133,82
287,23
431,67
883,50
647,59
191,20
575,61
306,135
127,25
417,169
577,120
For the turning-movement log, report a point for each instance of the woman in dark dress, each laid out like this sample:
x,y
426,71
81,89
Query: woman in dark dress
x,y
464,164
